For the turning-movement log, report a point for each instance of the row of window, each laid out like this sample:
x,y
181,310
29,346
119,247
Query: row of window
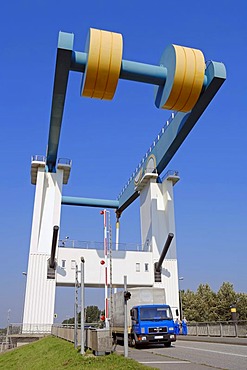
x,y
73,265
138,267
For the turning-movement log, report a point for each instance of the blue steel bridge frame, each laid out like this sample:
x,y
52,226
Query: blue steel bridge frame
x,y
168,142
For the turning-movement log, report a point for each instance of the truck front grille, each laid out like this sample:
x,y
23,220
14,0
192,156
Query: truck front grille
x,y
157,330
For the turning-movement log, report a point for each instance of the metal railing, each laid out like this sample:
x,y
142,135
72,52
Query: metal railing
x,y
170,173
65,161
38,158
218,329
140,164
67,331
16,329
209,329
69,243
42,158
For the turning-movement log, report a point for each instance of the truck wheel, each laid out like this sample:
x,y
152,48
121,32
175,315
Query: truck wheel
x,y
168,344
132,342
114,339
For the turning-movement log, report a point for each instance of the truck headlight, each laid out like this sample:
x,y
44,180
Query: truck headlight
x,y
171,329
142,330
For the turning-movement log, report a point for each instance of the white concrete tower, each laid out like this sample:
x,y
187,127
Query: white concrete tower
x,y
157,221
40,290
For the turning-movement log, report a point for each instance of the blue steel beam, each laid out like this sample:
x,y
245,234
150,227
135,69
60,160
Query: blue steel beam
x,y
132,71
90,202
176,132
63,62
67,60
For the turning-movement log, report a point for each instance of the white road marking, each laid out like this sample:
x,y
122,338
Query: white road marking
x,y
210,350
164,362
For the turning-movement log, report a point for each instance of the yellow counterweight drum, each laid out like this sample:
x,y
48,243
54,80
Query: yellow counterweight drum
x,y
185,76
103,64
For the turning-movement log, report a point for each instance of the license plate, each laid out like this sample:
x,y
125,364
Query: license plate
x,y
158,337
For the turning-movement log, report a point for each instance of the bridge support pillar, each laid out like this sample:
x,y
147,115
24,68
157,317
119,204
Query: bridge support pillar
x,y
157,221
40,290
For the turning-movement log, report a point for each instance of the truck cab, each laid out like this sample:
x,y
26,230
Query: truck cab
x,y
152,324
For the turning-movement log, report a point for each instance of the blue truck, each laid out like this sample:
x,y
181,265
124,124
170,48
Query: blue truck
x,y
149,318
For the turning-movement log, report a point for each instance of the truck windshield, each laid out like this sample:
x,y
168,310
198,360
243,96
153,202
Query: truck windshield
x,y
155,313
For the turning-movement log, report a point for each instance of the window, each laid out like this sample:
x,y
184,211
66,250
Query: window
x,y
146,267
138,267
73,264
63,264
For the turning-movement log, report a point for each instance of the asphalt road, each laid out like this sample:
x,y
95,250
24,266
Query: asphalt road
x,y
191,355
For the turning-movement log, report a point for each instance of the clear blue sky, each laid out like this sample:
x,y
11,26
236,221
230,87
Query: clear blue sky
x,y
106,140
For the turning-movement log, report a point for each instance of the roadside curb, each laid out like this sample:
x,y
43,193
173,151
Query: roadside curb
x,y
223,340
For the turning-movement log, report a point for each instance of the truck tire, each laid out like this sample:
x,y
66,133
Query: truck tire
x,y
168,344
114,339
134,343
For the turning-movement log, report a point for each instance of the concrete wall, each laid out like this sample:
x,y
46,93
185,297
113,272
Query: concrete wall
x,y
137,266
40,291
157,221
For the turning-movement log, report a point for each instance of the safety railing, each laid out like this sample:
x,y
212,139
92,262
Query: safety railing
x,y
206,329
16,329
42,158
140,164
67,331
69,243
38,158
169,173
218,329
65,161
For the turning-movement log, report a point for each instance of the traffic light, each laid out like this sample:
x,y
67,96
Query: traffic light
x,y
127,295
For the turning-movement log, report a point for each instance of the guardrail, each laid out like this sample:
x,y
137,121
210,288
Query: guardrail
x,y
155,141
218,329
66,331
16,329
132,247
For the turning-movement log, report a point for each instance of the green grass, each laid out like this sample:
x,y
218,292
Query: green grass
x,y
54,353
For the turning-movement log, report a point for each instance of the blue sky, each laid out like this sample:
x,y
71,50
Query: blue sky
x,y
106,140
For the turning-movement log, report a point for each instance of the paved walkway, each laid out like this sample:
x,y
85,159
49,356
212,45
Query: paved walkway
x,y
225,340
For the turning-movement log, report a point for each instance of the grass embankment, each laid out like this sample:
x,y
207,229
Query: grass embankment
x,y
54,353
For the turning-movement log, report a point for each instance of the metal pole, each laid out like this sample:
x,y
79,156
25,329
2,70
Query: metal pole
x,y
125,321
164,252
76,308
82,307
117,234
117,240
53,246
104,213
